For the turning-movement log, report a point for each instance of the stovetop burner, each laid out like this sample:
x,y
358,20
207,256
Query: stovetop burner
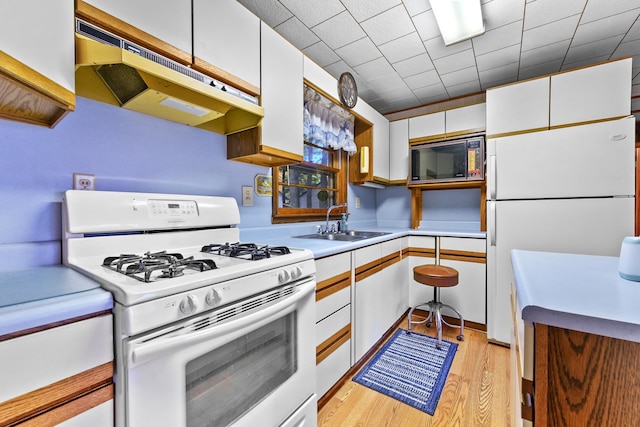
x,y
245,250
169,265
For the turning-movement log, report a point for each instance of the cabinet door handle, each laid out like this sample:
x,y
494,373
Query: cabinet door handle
x,y
527,400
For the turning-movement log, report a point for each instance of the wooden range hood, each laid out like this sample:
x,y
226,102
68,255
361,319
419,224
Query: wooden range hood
x,y
29,97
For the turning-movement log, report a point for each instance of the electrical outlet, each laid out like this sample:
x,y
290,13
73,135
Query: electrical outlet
x,y
247,195
357,202
84,181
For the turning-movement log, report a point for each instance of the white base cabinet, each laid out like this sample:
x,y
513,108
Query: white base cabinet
x,y
333,320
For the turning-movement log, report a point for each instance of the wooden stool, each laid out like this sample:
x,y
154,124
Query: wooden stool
x,y
437,276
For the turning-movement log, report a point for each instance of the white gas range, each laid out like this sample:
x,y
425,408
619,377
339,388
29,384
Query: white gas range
x,y
193,304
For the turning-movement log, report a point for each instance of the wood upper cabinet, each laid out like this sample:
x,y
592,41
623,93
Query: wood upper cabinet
x,y
399,151
163,27
518,107
592,93
37,60
226,43
372,131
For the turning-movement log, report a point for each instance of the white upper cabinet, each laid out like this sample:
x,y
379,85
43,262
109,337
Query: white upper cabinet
x,y
428,125
39,34
168,21
592,93
465,120
399,150
282,93
518,107
227,36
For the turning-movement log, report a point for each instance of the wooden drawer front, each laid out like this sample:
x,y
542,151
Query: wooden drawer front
x,y
33,361
331,266
332,331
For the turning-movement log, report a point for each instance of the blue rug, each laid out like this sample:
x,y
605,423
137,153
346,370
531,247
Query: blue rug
x,y
410,368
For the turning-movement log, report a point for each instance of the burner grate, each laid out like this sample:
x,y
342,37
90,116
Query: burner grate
x,y
245,250
143,267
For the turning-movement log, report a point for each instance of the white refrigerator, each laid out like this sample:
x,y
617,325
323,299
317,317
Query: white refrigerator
x,y
563,190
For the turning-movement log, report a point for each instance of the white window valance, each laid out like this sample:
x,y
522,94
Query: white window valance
x,y
327,124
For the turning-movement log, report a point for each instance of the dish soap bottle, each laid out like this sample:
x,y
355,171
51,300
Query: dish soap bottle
x,y
344,225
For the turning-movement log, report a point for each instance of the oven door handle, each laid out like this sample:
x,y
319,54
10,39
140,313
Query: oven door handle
x,y
144,351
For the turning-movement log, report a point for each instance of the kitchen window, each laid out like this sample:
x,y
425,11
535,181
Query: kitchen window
x,y
305,191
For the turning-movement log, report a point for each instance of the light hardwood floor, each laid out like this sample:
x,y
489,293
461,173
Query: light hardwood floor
x,y
476,392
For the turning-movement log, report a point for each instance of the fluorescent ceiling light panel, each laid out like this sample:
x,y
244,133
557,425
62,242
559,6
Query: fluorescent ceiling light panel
x,y
458,20
177,104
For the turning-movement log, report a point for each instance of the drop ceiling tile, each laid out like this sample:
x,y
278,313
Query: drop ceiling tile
x,y
397,94
362,10
582,63
404,104
458,61
464,88
309,12
430,93
630,48
633,33
437,49
359,52
415,7
459,77
428,78
272,12
321,54
542,12
402,48
498,58
426,25
375,69
339,30
546,53
295,31
550,33
604,48
498,75
389,25
540,70
501,37
598,9
416,65
497,13
604,28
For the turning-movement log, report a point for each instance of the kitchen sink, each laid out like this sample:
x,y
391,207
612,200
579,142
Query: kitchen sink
x,y
348,236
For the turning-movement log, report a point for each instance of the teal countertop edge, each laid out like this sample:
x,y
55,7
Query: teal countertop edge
x,y
579,292
60,294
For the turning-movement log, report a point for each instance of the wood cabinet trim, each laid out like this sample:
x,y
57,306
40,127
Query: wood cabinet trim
x,y
373,267
72,409
468,256
59,393
331,344
332,285
422,252
125,30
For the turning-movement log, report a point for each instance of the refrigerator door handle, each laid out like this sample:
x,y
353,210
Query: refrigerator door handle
x,y
492,169
492,223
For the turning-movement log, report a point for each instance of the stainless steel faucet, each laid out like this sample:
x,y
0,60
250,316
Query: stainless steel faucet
x,y
332,207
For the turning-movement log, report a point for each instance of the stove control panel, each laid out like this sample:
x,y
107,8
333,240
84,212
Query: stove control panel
x,y
172,208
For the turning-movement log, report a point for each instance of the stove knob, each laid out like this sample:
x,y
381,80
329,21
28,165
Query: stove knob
x,y
283,277
296,273
213,297
189,304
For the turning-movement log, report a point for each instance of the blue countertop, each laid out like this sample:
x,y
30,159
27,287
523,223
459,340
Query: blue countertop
x,y
39,296
579,292
322,248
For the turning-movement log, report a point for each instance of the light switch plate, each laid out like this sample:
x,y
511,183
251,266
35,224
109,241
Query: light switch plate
x,y
247,195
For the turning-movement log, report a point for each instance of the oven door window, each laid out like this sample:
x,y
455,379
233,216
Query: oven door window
x,y
227,382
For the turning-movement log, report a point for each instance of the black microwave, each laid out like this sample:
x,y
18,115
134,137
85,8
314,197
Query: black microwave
x,y
448,161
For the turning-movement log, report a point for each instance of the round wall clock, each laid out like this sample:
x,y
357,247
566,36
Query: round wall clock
x,y
347,90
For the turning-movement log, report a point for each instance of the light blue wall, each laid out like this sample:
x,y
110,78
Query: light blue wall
x,y
127,151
